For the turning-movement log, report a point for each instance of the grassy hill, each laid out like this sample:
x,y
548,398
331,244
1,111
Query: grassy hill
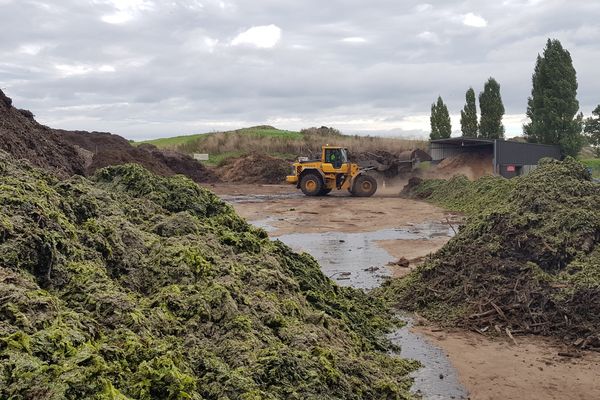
x,y
171,142
255,131
279,143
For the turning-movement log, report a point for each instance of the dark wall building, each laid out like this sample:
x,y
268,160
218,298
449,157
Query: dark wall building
x,y
508,158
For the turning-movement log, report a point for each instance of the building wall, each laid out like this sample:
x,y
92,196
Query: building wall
x,y
509,158
523,153
515,158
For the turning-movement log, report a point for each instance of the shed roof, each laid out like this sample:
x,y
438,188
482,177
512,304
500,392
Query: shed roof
x,y
464,141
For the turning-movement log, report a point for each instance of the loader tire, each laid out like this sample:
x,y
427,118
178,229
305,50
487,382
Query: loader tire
x,y
311,184
324,192
364,186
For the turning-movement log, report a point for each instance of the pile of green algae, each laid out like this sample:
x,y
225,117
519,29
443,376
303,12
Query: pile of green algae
x,y
133,286
527,259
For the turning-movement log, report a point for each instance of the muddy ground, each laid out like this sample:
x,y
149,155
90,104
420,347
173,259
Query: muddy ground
x,y
391,228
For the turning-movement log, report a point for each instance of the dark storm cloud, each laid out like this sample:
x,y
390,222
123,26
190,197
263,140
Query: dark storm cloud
x,y
146,68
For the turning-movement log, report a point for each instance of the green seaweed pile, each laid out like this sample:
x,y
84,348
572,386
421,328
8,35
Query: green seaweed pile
x,y
528,261
461,194
133,286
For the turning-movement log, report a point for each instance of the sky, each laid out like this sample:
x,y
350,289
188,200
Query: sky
x,y
147,68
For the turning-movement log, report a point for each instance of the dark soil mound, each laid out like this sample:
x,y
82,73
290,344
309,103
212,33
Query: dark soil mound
x,y
134,286
411,186
182,164
255,168
23,137
68,153
526,261
390,164
107,149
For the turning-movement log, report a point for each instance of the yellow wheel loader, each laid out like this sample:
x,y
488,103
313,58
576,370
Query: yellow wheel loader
x,y
332,171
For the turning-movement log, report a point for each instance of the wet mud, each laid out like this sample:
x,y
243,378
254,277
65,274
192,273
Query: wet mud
x,y
356,259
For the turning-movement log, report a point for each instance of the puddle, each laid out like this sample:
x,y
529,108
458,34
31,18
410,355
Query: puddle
x,y
437,379
258,198
266,224
355,259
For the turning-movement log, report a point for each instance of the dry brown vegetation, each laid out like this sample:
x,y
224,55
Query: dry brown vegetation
x,y
286,143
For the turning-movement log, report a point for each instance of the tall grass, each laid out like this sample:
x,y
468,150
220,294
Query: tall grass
x,y
306,143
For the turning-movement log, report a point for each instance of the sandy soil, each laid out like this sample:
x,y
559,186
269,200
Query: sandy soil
x,y
291,211
413,250
490,368
532,369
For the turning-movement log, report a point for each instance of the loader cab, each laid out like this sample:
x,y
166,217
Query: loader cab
x,y
336,156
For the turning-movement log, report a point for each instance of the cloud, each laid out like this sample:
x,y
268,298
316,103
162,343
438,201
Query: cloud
x,y
263,37
476,21
125,10
73,69
106,68
429,37
423,7
31,49
354,39
170,67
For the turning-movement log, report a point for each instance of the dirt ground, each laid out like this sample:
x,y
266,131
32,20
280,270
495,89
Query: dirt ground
x,y
292,212
489,368
530,369
413,250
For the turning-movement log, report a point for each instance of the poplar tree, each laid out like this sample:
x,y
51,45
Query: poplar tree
x,y
492,111
468,116
592,130
441,126
552,107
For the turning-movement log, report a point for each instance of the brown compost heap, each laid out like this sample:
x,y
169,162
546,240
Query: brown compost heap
x,y
66,153
254,168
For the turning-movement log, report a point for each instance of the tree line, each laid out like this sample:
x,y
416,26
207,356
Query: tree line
x,y
552,108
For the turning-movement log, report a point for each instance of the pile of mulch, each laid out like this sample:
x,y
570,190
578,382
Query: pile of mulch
x,y
387,163
67,153
383,161
24,138
254,168
527,261
472,165
106,149
182,164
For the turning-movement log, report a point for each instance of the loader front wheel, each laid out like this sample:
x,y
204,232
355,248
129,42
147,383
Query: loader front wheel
x,y
364,186
311,184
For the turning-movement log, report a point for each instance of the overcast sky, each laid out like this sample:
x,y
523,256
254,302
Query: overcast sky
x,y
149,68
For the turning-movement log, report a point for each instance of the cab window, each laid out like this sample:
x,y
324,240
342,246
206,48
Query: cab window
x,y
344,155
336,157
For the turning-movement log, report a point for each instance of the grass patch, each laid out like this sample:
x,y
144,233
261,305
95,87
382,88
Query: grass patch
x,y
269,131
594,164
220,159
171,142
255,131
